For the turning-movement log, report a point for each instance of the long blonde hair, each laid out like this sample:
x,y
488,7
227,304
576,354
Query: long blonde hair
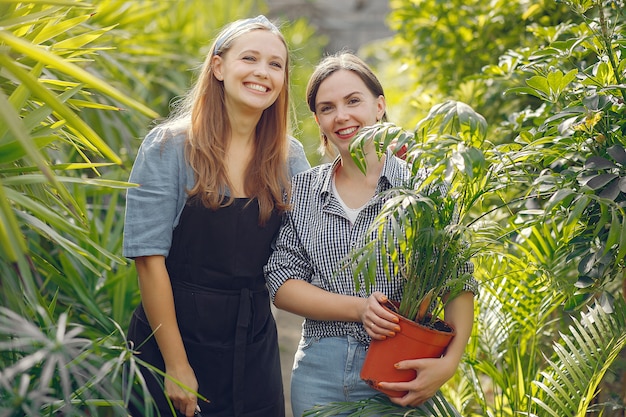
x,y
267,177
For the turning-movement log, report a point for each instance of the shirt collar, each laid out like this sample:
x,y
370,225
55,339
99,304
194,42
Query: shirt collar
x,y
394,174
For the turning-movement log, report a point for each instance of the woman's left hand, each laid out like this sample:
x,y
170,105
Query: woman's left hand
x,y
431,375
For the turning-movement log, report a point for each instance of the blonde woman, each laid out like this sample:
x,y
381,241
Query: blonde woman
x,y
212,185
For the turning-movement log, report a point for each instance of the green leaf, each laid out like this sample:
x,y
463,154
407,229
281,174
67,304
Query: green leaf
x,y
93,140
613,237
618,153
621,248
598,162
611,191
600,180
56,27
43,56
557,197
540,84
11,240
579,207
525,90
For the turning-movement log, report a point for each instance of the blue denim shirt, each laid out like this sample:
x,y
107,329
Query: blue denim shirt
x,y
153,208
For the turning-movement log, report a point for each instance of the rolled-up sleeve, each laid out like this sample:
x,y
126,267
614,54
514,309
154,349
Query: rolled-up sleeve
x,y
152,207
288,260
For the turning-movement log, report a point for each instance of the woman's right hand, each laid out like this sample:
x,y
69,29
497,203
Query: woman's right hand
x,y
378,322
184,400
158,302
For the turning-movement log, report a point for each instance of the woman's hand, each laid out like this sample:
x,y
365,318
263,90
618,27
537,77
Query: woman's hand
x,y
431,375
183,399
378,322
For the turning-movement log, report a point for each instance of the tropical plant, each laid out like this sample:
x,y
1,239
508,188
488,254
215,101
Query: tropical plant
x,y
573,145
428,62
424,231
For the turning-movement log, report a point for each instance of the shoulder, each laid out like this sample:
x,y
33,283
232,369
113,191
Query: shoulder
x,y
166,136
298,161
295,146
161,155
163,149
395,170
315,176
308,189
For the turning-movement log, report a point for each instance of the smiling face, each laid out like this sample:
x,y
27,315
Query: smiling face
x,y
343,106
253,70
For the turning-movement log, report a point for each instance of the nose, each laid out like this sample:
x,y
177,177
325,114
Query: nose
x,y
260,71
341,114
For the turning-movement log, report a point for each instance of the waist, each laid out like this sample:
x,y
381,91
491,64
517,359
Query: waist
x,y
322,329
201,279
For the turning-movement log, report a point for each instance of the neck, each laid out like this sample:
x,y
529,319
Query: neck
x,y
243,125
351,171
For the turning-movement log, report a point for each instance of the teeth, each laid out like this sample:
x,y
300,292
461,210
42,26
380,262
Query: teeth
x,y
347,131
257,87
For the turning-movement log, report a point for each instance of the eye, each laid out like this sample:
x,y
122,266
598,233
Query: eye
x,y
248,58
325,109
354,100
276,64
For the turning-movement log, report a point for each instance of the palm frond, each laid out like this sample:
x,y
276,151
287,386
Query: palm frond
x,y
581,358
380,405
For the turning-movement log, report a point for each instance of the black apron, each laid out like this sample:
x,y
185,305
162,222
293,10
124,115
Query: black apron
x,y
223,311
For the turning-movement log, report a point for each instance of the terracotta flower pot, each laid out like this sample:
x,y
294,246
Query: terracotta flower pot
x,y
413,341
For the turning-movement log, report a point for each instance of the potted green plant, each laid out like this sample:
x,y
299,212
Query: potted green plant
x,y
424,233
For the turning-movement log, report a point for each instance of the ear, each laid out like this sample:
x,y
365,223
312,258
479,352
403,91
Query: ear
x,y
216,67
381,107
316,119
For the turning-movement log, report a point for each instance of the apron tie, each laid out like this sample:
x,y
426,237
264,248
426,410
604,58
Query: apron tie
x,y
241,336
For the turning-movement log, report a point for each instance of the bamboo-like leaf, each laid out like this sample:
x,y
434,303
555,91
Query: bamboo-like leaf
x,y
57,27
11,240
581,204
75,3
557,197
12,151
83,256
52,60
621,248
615,229
75,43
93,140
54,219
605,216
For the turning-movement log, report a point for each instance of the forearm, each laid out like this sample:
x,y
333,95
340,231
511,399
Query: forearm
x,y
158,302
307,300
459,313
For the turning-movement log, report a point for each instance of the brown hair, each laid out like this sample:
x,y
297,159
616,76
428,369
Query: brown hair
x,y
327,67
266,178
